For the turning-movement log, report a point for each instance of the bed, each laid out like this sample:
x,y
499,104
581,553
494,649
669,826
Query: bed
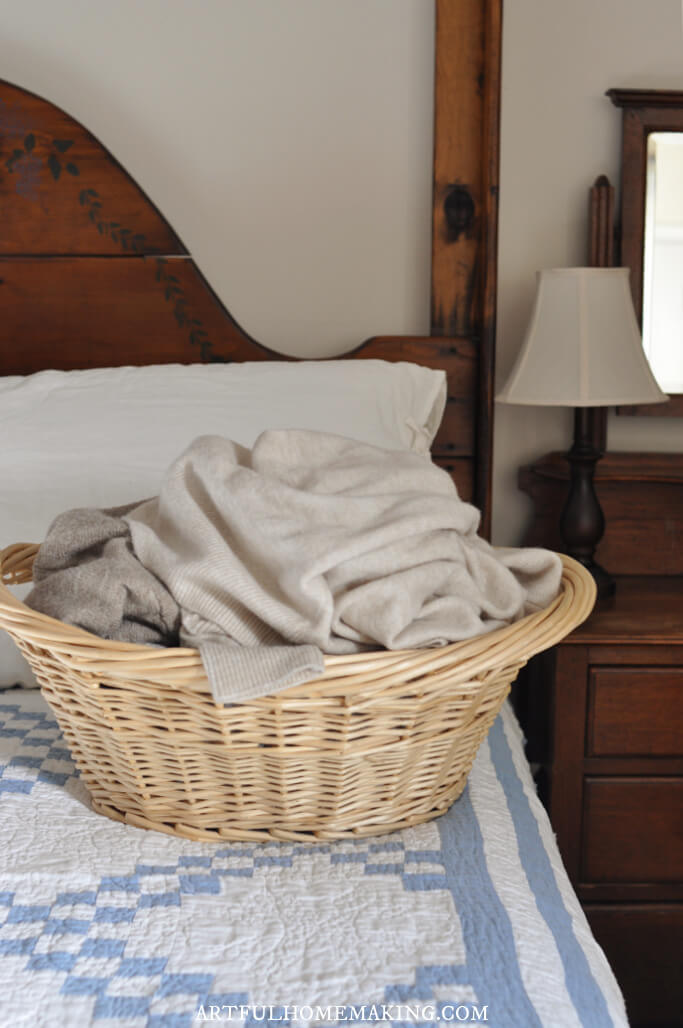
x,y
106,922
467,918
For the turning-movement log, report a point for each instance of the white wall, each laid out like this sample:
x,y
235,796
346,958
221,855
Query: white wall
x,y
289,143
559,132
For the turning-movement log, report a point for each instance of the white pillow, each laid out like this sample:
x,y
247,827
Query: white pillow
x,y
105,436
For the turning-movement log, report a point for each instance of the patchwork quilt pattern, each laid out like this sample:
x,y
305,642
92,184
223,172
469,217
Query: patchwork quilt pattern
x,y
467,919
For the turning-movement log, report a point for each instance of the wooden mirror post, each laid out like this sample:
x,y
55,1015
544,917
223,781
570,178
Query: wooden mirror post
x,y
644,111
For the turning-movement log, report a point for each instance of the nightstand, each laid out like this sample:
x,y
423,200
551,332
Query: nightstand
x,y
611,696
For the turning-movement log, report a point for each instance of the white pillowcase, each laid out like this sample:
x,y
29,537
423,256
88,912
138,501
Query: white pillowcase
x,y
105,436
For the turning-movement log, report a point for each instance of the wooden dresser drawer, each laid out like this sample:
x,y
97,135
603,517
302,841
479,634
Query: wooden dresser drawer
x,y
635,712
614,771
632,830
644,945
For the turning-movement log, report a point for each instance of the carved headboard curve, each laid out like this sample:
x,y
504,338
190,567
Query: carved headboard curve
x,y
93,275
73,218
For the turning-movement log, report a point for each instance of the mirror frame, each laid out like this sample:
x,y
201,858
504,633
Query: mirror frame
x,y
644,111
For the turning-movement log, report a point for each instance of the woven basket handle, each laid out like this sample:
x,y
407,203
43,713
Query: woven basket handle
x,y
16,563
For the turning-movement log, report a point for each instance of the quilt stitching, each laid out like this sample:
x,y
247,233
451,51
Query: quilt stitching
x,y
153,983
47,760
108,948
40,754
69,936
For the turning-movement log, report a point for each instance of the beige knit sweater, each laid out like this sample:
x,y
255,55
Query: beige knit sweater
x,y
312,543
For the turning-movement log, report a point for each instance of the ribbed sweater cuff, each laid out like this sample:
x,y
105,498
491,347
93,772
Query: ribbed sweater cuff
x,y
240,673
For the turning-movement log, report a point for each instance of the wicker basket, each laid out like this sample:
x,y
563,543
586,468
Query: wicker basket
x,y
384,740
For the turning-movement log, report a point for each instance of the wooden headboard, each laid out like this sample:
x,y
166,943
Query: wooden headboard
x,y
92,275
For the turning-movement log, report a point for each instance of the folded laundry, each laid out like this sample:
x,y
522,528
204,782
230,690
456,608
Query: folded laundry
x,y
85,573
309,543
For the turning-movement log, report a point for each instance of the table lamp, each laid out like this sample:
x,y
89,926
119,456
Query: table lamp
x,y
582,349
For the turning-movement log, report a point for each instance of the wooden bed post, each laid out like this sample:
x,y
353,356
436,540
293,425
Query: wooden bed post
x,y
92,275
465,198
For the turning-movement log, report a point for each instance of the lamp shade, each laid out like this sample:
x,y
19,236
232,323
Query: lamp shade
x,y
583,346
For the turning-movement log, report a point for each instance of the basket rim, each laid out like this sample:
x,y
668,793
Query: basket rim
x,y
84,651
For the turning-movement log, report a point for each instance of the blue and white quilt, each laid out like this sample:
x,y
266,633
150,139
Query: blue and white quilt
x,y
468,919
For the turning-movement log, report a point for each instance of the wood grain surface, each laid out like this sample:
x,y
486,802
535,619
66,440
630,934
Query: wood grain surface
x,y
635,712
644,111
62,192
91,274
642,498
645,947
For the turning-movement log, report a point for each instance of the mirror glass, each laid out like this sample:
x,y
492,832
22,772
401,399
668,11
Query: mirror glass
x,y
663,260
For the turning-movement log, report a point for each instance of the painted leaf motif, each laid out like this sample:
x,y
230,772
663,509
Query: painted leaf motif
x,y
72,169
54,166
10,162
63,144
29,142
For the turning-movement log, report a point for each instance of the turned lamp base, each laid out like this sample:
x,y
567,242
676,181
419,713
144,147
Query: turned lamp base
x,y
603,580
582,523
